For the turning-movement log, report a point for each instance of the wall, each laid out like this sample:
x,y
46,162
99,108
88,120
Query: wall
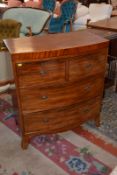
x,y
6,72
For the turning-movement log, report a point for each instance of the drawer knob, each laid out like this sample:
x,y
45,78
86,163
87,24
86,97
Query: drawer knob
x,y
43,72
88,66
87,88
85,110
19,64
45,120
44,97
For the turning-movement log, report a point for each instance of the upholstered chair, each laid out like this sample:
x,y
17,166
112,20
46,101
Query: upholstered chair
x,y
8,29
95,12
63,23
49,5
33,20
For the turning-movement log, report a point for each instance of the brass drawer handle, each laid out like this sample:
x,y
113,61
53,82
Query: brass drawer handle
x,y
43,72
44,97
87,88
86,110
45,120
88,66
19,64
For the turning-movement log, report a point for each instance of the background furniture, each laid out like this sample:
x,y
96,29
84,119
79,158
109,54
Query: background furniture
x,y
21,3
59,85
108,29
93,13
14,3
49,5
63,22
106,24
88,2
32,4
114,13
114,4
8,29
33,20
3,8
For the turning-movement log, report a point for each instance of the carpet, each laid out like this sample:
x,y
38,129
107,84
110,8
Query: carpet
x,y
106,134
85,151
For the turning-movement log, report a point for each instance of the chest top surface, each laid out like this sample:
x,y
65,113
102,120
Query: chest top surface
x,y
53,46
52,42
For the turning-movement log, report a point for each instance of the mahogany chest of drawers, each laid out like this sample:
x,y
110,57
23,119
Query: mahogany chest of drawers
x,y
59,81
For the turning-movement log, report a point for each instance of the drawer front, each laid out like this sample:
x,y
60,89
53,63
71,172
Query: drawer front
x,y
40,99
63,119
40,73
84,67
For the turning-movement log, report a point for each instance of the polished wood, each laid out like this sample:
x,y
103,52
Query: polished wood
x,y
114,13
58,45
59,81
40,99
111,36
106,24
46,122
112,54
41,73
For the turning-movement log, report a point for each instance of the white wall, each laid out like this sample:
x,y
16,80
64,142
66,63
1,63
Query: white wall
x,y
6,72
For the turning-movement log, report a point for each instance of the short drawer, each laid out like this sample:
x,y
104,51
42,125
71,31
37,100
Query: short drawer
x,y
86,66
40,99
40,73
63,119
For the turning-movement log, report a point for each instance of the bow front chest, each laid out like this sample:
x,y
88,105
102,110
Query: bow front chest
x,y
59,81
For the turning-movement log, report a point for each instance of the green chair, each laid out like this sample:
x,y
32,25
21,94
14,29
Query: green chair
x,y
8,29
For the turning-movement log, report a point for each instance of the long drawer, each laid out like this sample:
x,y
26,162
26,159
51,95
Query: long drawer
x,y
40,99
40,73
65,118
